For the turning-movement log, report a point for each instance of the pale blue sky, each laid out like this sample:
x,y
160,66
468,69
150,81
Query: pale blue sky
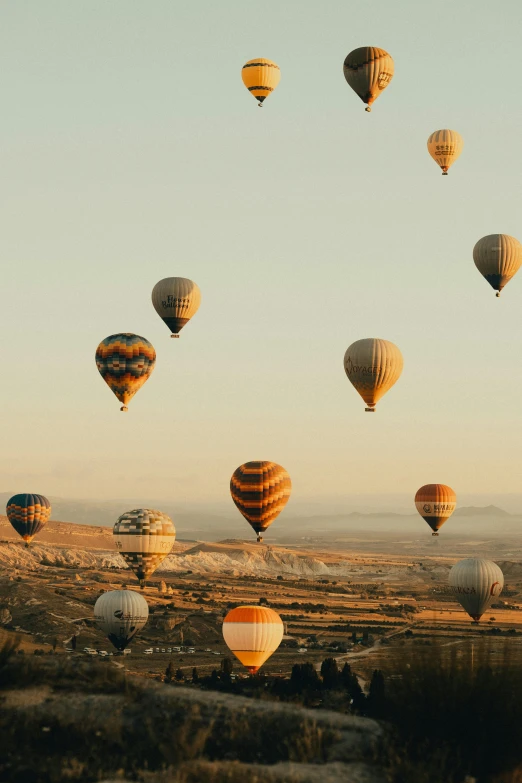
x,y
131,151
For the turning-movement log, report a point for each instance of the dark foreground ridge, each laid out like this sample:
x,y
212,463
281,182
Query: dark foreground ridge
x,y
88,721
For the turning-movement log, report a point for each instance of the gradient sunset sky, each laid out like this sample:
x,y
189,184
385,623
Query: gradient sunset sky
x,y
131,151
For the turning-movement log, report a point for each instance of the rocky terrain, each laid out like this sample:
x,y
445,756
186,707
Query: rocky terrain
x,y
86,720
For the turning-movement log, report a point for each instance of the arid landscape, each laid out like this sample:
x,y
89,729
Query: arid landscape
x,y
367,598
372,601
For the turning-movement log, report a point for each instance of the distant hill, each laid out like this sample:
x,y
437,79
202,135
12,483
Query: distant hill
x,y
481,511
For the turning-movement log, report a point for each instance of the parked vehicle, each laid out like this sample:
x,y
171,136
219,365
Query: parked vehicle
x,y
127,651
148,652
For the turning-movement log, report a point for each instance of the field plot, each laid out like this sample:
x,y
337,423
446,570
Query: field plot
x,y
356,604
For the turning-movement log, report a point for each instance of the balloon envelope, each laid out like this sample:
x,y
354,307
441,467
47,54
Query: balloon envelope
x,y
144,537
28,514
176,300
125,361
373,366
368,70
120,614
445,147
475,583
435,503
498,258
260,490
253,633
260,77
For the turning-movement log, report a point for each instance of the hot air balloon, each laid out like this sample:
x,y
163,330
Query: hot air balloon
x,y
176,300
28,514
445,147
373,366
252,633
475,583
498,258
368,71
260,490
260,77
144,538
120,614
435,503
125,361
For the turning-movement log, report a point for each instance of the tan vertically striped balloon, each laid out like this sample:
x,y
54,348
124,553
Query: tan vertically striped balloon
x,y
445,147
252,633
176,300
368,70
435,503
372,367
475,583
498,258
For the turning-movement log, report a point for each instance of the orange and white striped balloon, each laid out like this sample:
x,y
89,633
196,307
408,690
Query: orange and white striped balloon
x,y
435,503
252,633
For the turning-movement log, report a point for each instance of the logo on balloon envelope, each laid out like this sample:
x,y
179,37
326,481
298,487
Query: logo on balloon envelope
x,y
175,301
463,590
360,368
426,508
495,589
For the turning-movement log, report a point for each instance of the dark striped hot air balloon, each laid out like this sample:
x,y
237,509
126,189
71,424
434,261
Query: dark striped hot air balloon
x,y
176,300
125,361
144,537
368,70
28,514
498,257
260,77
260,490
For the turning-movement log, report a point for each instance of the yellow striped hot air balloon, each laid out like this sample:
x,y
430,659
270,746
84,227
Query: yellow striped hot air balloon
x,y
498,258
445,147
260,77
368,70
260,490
253,633
372,367
435,503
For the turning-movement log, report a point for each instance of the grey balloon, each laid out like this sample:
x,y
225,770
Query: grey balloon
x,y
475,583
120,614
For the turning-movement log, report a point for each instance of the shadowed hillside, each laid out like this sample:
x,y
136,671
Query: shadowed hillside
x,y
85,721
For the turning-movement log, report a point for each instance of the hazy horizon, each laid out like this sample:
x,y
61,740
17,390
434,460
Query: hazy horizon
x,y
307,225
